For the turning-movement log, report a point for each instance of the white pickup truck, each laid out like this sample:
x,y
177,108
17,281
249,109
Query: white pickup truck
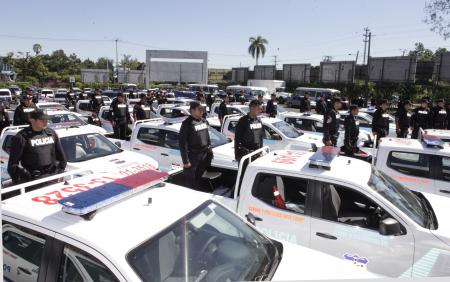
x,y
159,139
84,148
421,165
340,206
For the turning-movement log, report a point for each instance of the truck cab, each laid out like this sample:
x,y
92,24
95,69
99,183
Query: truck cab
x,y
422,165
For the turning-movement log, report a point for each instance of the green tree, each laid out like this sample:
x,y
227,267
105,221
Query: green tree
x,y
37,48
88,64
437,16
104,63
257,47
421,52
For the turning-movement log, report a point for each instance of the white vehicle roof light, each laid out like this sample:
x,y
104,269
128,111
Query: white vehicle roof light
x,y
85,203
323,157
432,141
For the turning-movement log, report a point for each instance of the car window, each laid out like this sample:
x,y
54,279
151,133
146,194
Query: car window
x,y
149,136
7,143
303,124
232,126
84,106
286,129
171,139
79,148
22,254
446,168
283,192
415,164
106,114
77,265
348,206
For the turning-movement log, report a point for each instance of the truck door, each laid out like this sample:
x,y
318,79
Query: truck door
x,y
281,201
148,141
345,223
170,149
412,169
4,155
442,181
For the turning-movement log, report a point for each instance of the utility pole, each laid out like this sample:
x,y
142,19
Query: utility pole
x,y
275,60
366,84
366,35
116,72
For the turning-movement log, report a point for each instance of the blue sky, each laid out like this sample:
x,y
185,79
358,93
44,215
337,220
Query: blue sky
x,y
298,31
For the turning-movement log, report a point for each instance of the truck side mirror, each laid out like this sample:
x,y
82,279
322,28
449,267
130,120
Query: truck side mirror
x,y
276,136
118,144
252,219
389,226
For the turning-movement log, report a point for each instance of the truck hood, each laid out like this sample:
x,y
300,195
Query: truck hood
x,y
301,263
440,208
224,157
304,142
96,129
115,163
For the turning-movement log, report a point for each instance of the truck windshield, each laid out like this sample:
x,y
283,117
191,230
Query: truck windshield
x,y
217,138
85,147
4,93
399,196
287,129
209,244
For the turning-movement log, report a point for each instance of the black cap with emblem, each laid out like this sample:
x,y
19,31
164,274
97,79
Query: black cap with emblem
x,y
38,114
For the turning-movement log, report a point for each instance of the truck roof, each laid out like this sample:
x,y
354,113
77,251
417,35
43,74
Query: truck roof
x,y
304,115
411,145
133,216
342,168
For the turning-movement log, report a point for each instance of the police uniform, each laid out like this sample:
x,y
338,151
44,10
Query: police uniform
x,y
4,118
94,104
120,115
331,126
403,118
141,111
195,148
39,153
321,107
351,126
305,105
439,118
248,136
70,99
380,124
223,111
271,109
419,119
22,114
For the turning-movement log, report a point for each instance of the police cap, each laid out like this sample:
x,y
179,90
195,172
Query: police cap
x,y
38,114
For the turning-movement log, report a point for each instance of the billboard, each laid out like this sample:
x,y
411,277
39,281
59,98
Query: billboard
x,y
239,75
393,69
176,66
337,71
297,72
94,75
265,72
442,67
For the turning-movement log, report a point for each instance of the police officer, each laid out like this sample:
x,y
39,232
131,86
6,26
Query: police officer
x,y
131,95
331,123
420,119
351,127
271,108
439,115
34,96
4,118
35,151
380,121
141,110
223,110
305,104
403,119
249,132
195,146
209,100
70,99
94,104
120,116
22,112
321,105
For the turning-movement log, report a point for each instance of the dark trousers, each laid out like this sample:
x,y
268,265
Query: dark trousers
x,y
120,130
380,134
193,175
350,147
415,133
403,133
333,139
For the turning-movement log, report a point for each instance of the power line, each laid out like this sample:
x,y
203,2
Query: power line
x,y
54,39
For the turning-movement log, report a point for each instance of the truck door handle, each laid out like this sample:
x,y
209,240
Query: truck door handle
x,y
137,149
164,154
326,236
26,271
444,191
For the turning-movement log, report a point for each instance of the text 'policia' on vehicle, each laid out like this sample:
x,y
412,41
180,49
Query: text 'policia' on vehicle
x,y
76,230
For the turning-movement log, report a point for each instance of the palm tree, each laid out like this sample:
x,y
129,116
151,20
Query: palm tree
x,y
257,47
37,48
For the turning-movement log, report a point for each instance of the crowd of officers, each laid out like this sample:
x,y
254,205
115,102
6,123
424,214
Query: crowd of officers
x,y
36,151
